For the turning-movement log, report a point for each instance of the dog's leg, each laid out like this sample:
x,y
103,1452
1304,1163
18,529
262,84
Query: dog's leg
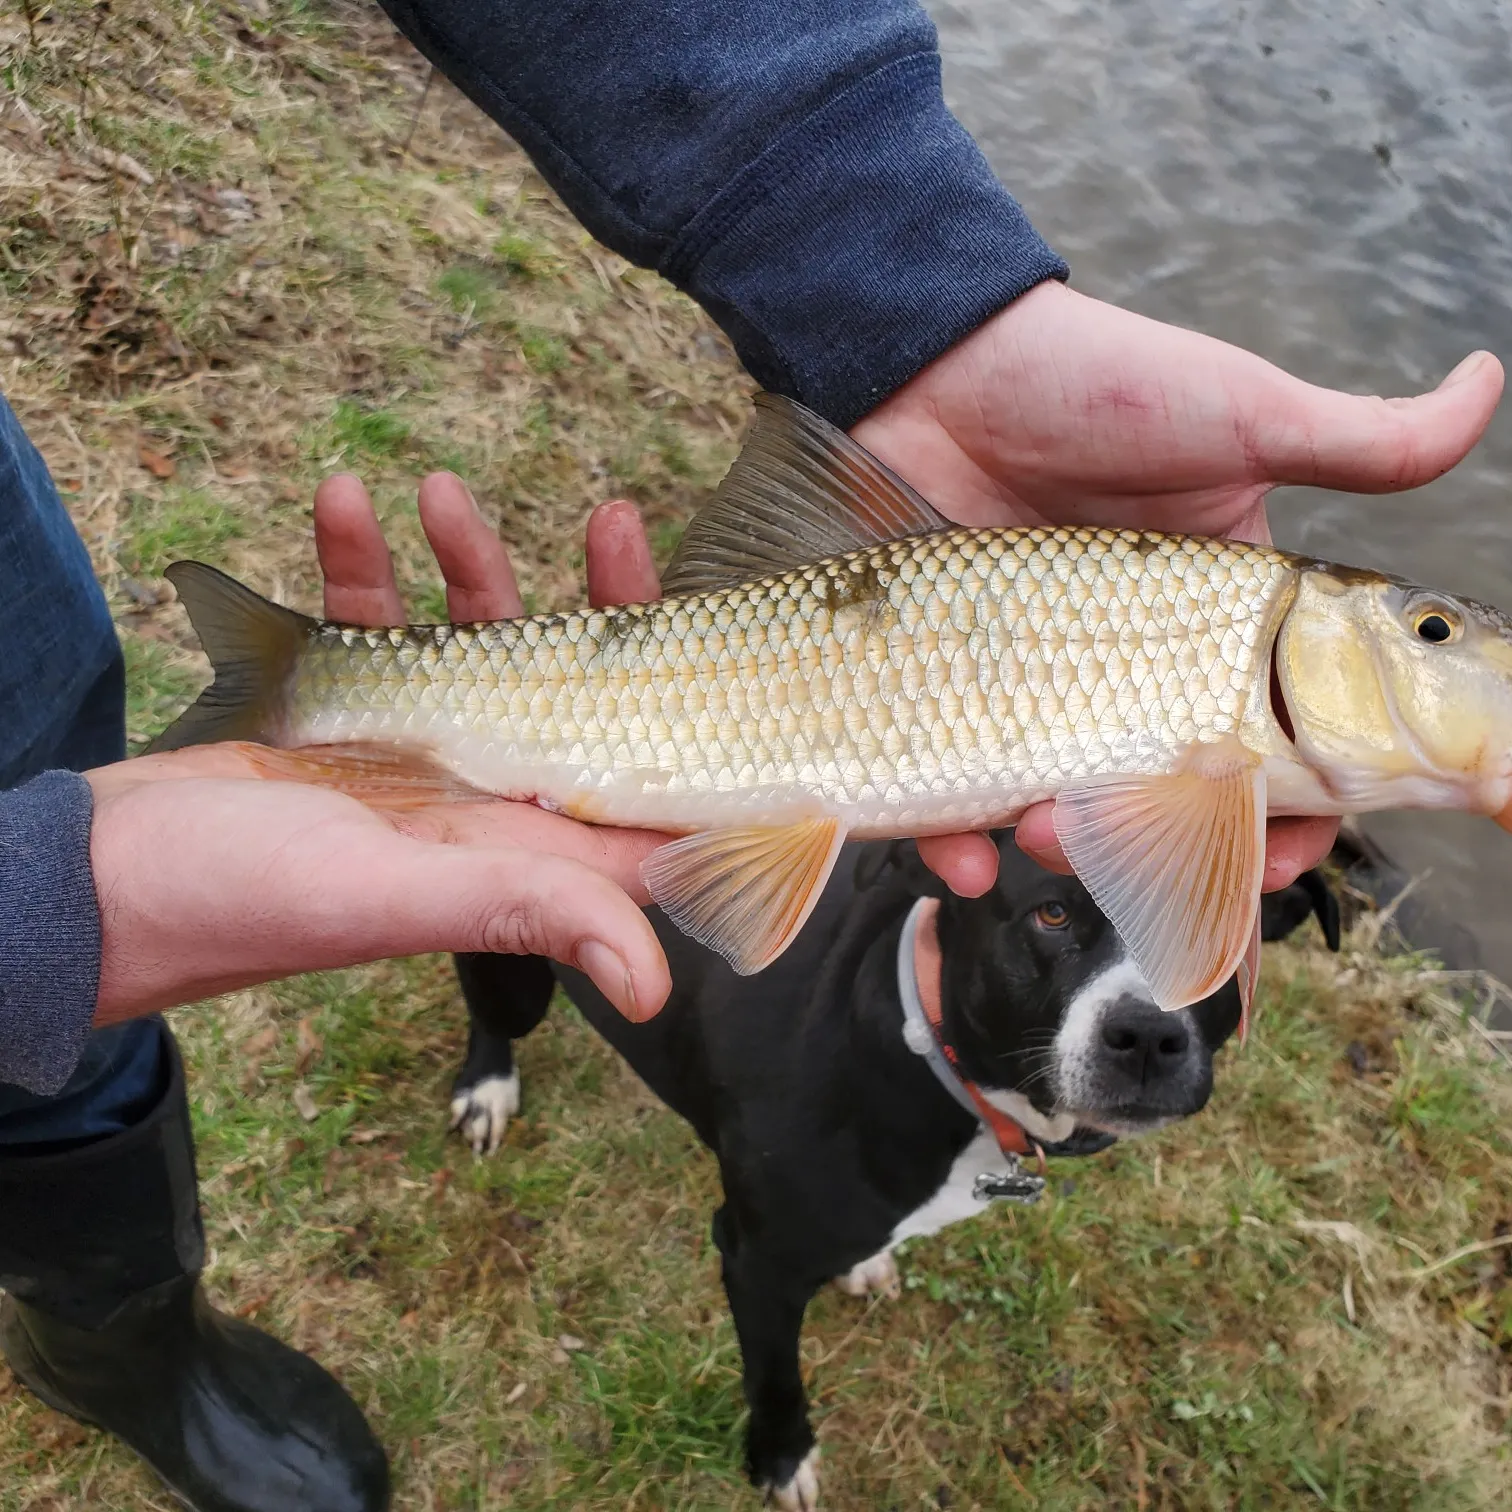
x,y
873,1277
768,1309
507,996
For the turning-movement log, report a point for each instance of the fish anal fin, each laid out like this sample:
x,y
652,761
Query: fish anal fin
x,y
1175,861
745,893
799,492
396,778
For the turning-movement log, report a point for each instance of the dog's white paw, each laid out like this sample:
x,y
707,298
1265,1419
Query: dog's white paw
x,y
481,1114
876,1277
801,1494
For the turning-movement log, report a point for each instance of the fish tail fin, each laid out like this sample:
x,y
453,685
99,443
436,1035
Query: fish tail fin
x,y
253,646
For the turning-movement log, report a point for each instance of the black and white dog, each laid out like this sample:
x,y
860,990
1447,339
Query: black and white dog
x,y
843,1122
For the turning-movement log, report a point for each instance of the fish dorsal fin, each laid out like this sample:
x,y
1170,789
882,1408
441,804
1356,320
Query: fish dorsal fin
x,y
800,491
1175,861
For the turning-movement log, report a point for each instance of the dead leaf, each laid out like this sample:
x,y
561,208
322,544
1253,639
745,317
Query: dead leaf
x,y
1343,1233
122,162
155,462
310,1047
304,1104
254,1052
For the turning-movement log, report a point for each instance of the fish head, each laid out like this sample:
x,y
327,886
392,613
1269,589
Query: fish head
x,y
1398,696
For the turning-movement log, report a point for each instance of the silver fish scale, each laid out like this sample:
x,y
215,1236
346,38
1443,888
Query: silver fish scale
x,y
904,678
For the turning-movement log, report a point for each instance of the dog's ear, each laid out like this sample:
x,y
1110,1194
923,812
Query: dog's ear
x,y
896,861
1284,911
1325,905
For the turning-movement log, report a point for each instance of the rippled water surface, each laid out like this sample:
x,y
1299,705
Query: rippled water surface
x,y
1330,186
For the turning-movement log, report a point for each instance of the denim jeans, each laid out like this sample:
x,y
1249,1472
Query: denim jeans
x,y
62,704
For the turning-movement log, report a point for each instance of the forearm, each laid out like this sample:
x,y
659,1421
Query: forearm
x,y
49,930
789,163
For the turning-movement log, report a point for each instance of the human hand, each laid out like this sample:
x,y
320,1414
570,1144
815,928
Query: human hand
x,y
1062,409
209,881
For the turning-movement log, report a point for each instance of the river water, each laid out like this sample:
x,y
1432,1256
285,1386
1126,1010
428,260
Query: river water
x,y
1327,185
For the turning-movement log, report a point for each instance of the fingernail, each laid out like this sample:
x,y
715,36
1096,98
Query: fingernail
x,y
1465,370
610,975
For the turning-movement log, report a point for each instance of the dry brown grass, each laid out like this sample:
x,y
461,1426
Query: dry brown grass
x,y
250,247
244,247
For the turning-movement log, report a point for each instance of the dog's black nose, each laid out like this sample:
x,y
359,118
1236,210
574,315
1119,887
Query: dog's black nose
x,y
1144,1043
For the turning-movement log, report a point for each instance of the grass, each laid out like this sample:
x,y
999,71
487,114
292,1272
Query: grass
x,y
257,248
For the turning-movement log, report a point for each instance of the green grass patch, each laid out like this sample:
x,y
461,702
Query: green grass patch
x,y
359,434
469,287
175,522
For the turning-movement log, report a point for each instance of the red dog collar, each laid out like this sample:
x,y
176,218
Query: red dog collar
x,y
919,964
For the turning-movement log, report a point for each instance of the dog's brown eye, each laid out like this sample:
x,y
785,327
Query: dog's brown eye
x,y
1051,916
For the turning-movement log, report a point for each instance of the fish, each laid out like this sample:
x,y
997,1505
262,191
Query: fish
x,y
835,660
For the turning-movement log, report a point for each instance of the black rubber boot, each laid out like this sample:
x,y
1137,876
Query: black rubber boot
x,y
100,1249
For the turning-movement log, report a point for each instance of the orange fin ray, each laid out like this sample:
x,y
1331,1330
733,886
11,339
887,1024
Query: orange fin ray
x,y
1175,861
745,893
396,778
1248,977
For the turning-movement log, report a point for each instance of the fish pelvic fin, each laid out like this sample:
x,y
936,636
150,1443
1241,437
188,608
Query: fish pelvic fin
x,y
1175,861
745,893
253,646
800,491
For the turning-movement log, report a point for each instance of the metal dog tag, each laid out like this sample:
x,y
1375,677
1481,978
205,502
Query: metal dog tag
x,y
1013,1185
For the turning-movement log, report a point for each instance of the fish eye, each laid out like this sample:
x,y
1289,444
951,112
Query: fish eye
x,y
1051,916
1435,626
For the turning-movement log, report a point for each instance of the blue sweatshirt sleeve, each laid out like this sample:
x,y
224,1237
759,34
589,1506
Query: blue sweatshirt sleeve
x,y
790,164
49,930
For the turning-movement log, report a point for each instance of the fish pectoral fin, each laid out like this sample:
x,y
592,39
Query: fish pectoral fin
x,y
1175,862
745,893
1248,979
395,778
800,491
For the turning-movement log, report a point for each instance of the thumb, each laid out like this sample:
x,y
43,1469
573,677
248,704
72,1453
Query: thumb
x,y
515,902
1370,445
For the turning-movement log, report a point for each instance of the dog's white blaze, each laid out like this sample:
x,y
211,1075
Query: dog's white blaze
x,y
1077,1038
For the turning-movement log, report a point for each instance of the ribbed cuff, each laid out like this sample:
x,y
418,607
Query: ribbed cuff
x,y
49,930
860,246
